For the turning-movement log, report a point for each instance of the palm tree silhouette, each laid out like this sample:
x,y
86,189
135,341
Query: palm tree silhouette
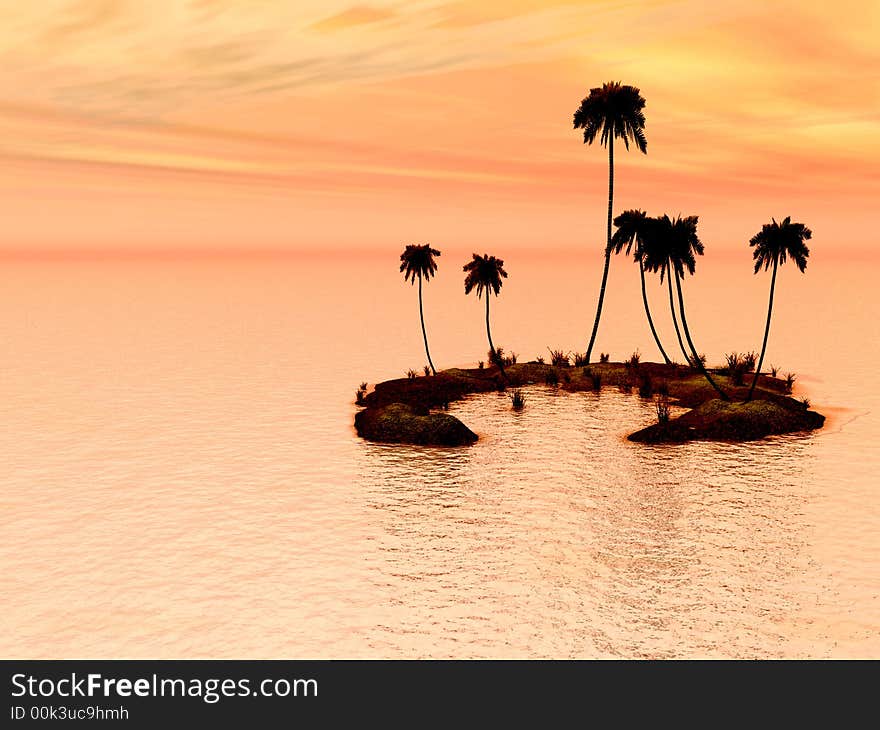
x,y
484,273
679,241
632,231
655,258
417,262
611,110
773,245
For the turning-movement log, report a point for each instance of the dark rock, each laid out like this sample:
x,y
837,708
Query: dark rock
x,y
733,421
401,423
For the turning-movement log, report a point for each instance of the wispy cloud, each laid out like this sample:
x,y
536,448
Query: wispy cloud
x,y
134,59
443,98
89,18
354,16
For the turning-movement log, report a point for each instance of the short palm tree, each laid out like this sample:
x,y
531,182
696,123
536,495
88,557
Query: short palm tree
x,y
679,241
631,233
417,262
775,243
611,111
484,273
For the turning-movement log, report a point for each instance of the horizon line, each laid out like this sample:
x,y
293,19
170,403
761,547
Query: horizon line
x,y
96,253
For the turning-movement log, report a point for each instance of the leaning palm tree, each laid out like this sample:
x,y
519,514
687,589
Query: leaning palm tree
x,y
631,233
680,241
773,245
484,273
655,258
417,262
611,110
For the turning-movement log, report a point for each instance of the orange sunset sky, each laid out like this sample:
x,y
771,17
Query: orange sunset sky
x,y
264,124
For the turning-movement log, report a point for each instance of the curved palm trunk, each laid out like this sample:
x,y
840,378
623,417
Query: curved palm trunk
x,y
491,346
674,319
607,246
766,331
687,334
425,334
648,313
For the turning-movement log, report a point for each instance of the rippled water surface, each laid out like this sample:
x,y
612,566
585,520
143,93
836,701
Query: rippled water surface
x,y
181,477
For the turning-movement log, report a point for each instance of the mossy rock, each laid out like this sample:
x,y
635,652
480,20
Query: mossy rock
x,y
733,421
400,423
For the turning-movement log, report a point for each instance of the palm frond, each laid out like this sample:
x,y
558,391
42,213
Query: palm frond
x,y
418,260
613,110
776,242
484,273
631,231
670,244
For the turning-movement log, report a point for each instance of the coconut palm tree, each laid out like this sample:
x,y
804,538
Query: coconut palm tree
x,y
679,239
632,230
655,258
417,262
611,110
484,273
775,243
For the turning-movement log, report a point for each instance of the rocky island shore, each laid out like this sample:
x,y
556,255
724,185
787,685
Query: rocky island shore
x,y
412,409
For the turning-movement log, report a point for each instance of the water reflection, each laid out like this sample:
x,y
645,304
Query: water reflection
x,y
559,537
183,477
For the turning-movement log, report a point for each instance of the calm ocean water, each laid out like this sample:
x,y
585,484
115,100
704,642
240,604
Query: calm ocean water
x,y
181,476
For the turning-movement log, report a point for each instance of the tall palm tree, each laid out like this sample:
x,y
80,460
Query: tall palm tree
x,y
679,239
773,245
484,273
632,232
417,262
611,110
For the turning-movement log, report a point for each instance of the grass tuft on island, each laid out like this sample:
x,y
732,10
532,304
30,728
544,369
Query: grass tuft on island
x,y
409,410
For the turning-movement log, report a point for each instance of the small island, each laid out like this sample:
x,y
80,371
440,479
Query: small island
x,y
412,409
722,407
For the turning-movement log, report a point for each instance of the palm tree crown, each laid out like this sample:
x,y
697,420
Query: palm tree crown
x,y
655,250
669,242
613,110
778,241
632,230
418,261
684,242
484,273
